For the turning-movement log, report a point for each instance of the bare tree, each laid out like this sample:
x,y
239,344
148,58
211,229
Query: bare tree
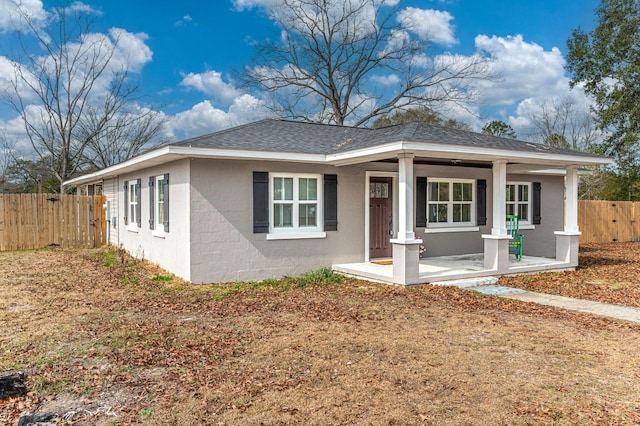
x,y
330,54
124,136
6,154
562,122
73,93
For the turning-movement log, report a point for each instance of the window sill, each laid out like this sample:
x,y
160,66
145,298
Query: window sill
x,y
296,236
158,234
458,229
521,227
133,229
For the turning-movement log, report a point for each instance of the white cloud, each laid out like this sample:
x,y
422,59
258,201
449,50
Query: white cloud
x,y
386,80
211,84
204,118
11,17
526,70
184,21
131,50
428,24
78,6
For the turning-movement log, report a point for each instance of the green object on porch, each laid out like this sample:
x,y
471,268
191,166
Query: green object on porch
x,y
515,243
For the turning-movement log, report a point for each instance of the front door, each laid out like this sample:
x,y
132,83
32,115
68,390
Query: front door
x,y
380,217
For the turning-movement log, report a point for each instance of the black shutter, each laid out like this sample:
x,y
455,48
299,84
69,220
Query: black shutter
x,y
260,202
537,218
139,205
126,202
152,191
330,202
481,202
165,206
421,202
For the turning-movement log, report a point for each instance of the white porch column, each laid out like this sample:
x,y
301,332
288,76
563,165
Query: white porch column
x,y
499,223
496,245
406,266
571,200
405,197
567,240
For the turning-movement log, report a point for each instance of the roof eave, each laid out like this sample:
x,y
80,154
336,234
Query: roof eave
x,y
448,151
172,153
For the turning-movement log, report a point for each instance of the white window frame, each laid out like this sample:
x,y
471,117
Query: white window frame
x,y
450,223
518,202
132,219
296,231
158,225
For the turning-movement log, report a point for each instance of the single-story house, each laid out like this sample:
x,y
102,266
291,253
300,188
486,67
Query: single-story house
x,y
405,204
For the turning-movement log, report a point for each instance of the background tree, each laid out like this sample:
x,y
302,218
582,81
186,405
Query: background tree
x,y
499,128
124,137
421,115
606,63
324,65
74,94
28,176
563,123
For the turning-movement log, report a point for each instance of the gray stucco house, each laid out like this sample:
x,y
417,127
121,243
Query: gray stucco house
x,y
275,198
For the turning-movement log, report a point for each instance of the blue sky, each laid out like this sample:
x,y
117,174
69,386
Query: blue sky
x,y
184,52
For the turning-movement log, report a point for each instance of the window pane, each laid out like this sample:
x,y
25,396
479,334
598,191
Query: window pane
x,y
443,191
467,192
523,212
160,191
511,192
282,188
133,194
307,189
523,192
133,213
438,191
457,191
462,213
511,209
307,216
462,191
437,213
282,215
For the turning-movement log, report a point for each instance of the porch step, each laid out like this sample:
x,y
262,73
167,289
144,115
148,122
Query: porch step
x,y
468,282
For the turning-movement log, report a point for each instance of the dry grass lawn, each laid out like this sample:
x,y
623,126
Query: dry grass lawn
x,y
112,341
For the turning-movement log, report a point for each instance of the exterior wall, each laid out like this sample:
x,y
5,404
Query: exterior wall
x,y
223,245
110,190
454,243
171,251
541,241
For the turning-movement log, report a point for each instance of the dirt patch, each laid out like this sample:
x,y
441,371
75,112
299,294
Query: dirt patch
x,y
95,329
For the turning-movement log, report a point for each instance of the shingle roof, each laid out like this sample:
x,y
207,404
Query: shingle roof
x,y
308,138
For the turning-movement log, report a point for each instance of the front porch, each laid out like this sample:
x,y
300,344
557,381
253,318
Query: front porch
x,y
445,268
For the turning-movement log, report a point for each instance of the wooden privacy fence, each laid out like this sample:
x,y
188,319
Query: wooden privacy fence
x,y
607,221
31,221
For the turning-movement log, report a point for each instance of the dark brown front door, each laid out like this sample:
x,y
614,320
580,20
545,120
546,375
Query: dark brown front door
x,y
380,217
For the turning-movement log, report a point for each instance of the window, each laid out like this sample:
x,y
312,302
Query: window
x,y
132,204
450,202
159,204
295,203
518,201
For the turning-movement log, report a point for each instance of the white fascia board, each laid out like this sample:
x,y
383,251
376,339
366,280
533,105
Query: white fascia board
x,y
434,150
172,153
247,154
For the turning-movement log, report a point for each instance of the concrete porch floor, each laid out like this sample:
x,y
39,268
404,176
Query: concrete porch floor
x,y
446,268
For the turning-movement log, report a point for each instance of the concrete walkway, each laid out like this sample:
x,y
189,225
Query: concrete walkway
x,y
487,285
